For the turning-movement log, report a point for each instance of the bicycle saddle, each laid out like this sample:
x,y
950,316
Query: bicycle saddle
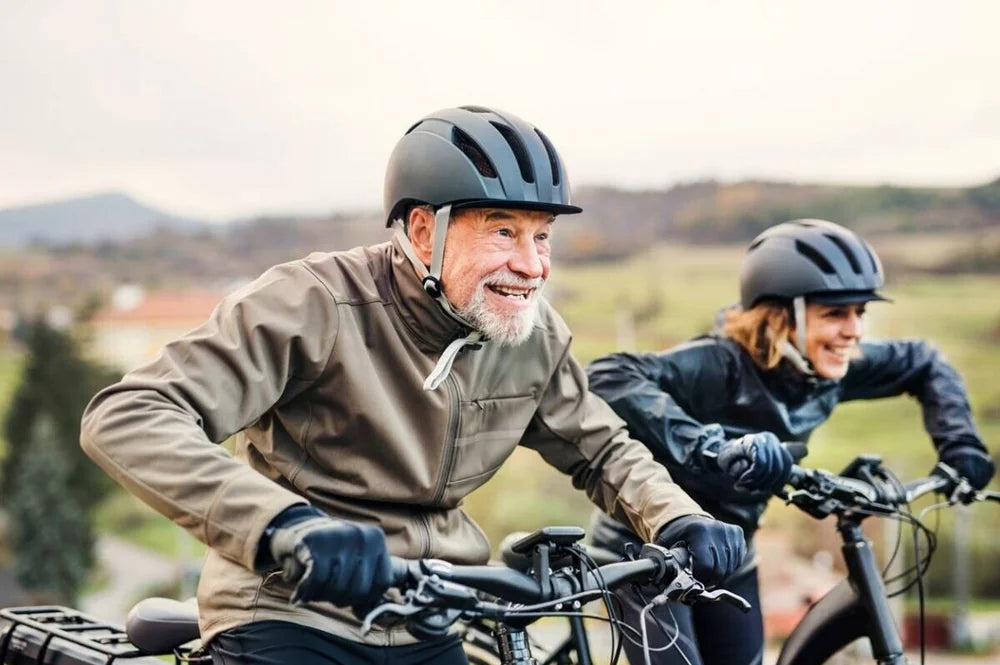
x,y
160,625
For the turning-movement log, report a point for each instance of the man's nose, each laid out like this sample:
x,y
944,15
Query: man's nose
x,y
525,259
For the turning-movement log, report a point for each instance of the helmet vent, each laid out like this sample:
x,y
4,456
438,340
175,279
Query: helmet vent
x,y
553,160
853,260
472,108
471,149
815,256
517,147
871,257
755,244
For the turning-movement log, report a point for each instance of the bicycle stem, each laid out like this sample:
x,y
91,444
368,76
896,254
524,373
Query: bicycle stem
x,y
863,571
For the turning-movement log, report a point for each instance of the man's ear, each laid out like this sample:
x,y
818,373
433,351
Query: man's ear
x,y
420,229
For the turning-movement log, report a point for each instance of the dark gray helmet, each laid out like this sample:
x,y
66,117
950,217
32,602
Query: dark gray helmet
x,y
473,156
822,261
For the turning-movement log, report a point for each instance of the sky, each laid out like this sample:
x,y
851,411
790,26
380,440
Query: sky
x,y
219,109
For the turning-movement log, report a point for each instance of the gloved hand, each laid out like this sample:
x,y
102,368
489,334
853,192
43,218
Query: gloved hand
x,y
717,549
341,562
971,463
756,461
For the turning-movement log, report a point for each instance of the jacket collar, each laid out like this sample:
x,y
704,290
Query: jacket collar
x,y
429,325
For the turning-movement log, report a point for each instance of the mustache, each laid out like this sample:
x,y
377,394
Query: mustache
x,y
504,277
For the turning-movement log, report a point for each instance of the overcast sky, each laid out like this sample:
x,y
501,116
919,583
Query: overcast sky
x,y
220,109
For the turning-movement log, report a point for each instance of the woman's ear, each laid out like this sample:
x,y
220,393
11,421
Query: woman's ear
x,y
420,229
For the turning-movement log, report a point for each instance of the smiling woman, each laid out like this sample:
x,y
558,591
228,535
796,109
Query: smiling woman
x,y
718,410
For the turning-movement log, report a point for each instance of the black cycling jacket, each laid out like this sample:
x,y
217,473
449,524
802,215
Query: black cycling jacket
x,y
678,400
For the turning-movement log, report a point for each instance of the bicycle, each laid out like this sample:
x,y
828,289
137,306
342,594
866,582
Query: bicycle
x,y
496,599
858,606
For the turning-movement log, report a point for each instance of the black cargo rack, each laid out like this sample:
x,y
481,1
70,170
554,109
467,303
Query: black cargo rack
x,y
70,625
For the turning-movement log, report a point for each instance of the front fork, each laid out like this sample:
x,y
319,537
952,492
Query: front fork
x,y
865,576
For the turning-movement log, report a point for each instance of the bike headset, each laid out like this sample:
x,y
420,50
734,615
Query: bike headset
x,y
809,261
468,157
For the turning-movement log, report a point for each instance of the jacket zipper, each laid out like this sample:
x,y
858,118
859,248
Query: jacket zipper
x,y
449,447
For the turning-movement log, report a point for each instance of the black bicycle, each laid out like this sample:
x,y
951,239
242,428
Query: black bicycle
x,y
858,607
494,601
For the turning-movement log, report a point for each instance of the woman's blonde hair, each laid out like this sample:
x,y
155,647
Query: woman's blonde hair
x,y
760,330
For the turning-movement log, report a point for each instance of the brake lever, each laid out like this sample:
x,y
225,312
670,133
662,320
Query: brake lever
x,y
682,586
963,493
989,495
728,597
685,588
396,609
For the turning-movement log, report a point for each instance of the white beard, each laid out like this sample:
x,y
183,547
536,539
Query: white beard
x,y
503,329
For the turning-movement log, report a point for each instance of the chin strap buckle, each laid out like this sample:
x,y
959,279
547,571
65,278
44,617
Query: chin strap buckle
x,y
433,287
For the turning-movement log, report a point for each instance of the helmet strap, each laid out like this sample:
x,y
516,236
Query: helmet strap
x,y
792,355
796,353
799,311
432,282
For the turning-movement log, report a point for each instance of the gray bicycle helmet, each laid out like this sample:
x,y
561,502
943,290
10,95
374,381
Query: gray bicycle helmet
x,y
468,157
820,260
472,156
809,260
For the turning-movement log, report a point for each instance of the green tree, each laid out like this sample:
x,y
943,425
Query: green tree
x,y
50,534
56,384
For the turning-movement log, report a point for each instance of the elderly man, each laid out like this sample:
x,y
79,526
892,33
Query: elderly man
x,y
372,390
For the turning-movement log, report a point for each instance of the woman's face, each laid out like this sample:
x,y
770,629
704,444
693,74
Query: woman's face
x,y
832,336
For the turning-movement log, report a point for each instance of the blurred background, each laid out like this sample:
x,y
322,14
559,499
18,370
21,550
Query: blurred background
x,y
153,156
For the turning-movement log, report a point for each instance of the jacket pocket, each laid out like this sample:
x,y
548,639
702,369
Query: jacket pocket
x,y
491,430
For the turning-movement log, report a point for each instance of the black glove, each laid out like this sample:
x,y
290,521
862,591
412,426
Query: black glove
x,y
341,562
756,461
971,463
717,549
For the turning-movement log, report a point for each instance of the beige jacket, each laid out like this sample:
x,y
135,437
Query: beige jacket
x,y
318,366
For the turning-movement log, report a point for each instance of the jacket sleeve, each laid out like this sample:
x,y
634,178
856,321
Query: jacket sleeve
x,y
893,367
155,431
578,434
641,388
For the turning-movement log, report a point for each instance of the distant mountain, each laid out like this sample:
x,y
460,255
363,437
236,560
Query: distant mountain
x,y
89,220
616,222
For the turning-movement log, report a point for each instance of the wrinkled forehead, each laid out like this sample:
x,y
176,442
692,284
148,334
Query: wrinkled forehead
x,y
514,215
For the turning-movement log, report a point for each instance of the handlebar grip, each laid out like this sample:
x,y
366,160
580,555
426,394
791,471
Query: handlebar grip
x,y
400,571
681,556
797,476
292,570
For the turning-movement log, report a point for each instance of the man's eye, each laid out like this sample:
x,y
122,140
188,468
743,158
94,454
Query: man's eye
x,y
542,237
506,233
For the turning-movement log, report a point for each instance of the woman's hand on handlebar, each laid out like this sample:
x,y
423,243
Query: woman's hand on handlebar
x,y
758,461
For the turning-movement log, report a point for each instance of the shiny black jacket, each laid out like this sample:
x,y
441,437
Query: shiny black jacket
x,y
679,400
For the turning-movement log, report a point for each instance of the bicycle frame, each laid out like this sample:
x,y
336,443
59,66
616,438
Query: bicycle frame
x,y
857,607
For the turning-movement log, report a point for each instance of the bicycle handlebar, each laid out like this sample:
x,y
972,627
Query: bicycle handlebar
x,y
823,493
653,566
446,592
